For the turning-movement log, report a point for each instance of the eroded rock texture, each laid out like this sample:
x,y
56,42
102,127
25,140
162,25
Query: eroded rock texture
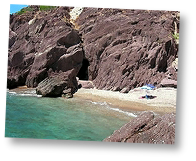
x,y
43,44
116,49
147,128
128,48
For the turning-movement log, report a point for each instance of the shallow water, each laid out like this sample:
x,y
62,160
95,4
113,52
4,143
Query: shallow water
x,y
29,116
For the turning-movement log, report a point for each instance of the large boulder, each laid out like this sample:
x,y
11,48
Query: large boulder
x,y
61,77
128,48
86,84
58,84
52,87
146,128
168,83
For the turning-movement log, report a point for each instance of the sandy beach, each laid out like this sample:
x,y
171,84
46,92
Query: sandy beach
x,y
164,102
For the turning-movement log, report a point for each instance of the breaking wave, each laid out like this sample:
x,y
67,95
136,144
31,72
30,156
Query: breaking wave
x,y
24,93
105,104
99,103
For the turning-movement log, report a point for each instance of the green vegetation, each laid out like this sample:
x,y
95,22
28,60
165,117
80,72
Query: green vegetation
x,y
24,10
176,36
46,8
41,8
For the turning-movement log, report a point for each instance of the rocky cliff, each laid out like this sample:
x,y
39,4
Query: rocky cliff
x,y
129,48
116,49
44,45
147,128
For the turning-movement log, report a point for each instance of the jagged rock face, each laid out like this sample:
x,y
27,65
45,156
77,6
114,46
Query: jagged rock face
x,y
128,48
147,128
63,80
42,43
123,49
58,84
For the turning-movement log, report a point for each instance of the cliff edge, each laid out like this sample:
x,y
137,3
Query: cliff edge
x,y
129,48
116,49
147,128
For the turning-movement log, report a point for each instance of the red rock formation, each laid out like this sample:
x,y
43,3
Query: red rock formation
x,y
128,48
147,128
42,43
123,49
168,83
58,84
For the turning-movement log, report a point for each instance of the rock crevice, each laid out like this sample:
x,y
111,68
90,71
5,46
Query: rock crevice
x,y
116,49
128,48
44,50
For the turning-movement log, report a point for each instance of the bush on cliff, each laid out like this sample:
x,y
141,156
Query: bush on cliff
x,y
176,36
24,10
30,9
46,8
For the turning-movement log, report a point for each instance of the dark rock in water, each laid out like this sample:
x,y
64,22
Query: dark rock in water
x,y
52,87
128,48
146,128
58,84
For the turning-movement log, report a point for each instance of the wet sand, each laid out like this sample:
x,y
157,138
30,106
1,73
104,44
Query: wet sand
x,y
164,102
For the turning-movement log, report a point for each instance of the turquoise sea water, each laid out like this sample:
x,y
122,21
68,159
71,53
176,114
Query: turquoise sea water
x,y
29,116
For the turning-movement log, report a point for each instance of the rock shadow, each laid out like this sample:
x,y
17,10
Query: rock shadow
x,y
83,73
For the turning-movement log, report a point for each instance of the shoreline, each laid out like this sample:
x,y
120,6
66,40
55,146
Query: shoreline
x,y
165,101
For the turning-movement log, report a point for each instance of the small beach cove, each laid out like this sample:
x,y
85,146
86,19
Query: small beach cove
x,y
165,101
29,115
91,115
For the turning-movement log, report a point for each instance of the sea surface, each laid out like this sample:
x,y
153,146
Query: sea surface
x,y
32,116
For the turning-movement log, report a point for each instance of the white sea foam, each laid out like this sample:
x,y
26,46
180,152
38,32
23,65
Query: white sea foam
x,y
99,103
95,103
25,93
13,93
22,94
114,109
124,112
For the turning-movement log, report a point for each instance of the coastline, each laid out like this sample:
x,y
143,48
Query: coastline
x,y
165,101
